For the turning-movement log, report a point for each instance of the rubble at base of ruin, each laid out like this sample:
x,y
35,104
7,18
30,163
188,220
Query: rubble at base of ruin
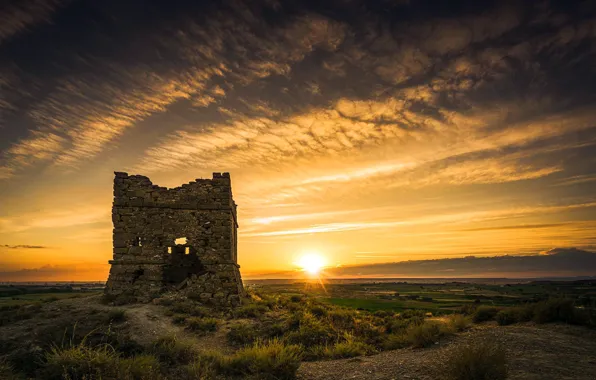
x,y
181,240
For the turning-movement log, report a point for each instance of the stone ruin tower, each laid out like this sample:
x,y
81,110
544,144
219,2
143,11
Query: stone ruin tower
x,y
181,239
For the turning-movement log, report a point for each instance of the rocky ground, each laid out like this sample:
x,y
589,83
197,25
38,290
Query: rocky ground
x,y
533,352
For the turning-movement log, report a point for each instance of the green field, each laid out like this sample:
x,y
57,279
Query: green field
x,y
439,298
41,297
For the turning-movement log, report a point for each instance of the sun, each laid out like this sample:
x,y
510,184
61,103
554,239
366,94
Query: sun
x,y
311,263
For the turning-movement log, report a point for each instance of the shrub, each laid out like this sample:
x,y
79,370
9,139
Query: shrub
x,y
6,371
481,361
205,366
251,310
242,334
80,362
83,362
141,367
507,317
266,361
468,308
172,350
202,324
348,349
342,319
554,310
200,311
395,341
311,332
398,325
458,322
182,306
424,335
179,319
318,311
383,313
116,315
485,313
273,330
296,298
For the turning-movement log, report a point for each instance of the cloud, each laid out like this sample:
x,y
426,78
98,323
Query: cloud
x,y
327,117
515,227
83,114
75,272
75,216
17,16
440,219
23,246
561,262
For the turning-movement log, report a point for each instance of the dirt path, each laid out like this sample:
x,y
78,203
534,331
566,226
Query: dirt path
x,y
147,322
545,352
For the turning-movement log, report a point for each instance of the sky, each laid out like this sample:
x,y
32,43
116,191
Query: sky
x,y
363,131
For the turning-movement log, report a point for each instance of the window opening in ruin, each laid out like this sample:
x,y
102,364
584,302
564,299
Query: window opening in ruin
x,y
180,241
170,250
186,250
137,242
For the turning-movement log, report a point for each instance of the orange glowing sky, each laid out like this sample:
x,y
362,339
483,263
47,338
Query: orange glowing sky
x,y
387,139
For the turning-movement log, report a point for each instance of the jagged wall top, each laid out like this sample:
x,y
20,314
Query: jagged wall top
x,y
201,194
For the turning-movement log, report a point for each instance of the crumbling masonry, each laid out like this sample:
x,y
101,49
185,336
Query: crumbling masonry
x,y
181,239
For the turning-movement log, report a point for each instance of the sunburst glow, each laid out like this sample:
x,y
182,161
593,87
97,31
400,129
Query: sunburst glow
x,y
311,263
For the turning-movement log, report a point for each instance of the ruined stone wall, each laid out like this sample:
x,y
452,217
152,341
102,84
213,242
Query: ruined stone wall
x,y
147,221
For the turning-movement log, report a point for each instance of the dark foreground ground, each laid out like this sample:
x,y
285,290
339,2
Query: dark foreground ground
x,y
534,352
367,324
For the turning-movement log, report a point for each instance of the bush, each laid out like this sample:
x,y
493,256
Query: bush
x,y
383,313
507,317
398,325
424,335
348,349
481,361
395,341
171,350
458,322
202,324
182,306
116,315
342,319
242,334
485,313
141,367
554,310
6,371
265,361
318,311
81,362
273,330
205,366
468,309
311,332
252,310
179,319
84,362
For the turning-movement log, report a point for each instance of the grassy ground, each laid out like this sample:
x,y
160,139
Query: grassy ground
x,y
267,337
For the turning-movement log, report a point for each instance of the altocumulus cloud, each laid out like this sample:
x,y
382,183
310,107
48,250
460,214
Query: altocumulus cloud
x,y
307,103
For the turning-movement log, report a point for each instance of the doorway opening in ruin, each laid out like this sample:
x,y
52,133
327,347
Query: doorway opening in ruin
x,y
183,262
